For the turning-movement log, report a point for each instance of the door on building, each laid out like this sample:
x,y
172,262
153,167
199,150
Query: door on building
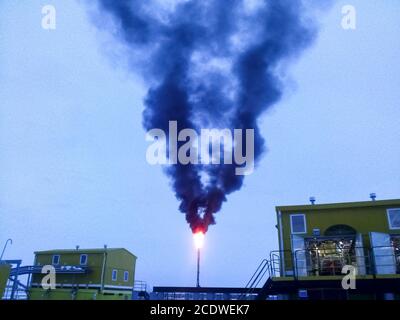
x,y
383,253
299,256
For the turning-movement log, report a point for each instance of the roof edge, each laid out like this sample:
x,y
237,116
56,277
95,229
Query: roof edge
x,y
92,250
339,205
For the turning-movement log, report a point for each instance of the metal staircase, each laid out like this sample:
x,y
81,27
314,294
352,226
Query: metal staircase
x,y
259,275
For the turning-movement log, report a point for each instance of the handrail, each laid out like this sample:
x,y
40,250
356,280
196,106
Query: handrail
x,y
8,241
280,255
256,278
367,260
334,263
38,269
255,275
139,285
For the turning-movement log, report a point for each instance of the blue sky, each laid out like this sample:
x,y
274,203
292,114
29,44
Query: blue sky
x,y
72,148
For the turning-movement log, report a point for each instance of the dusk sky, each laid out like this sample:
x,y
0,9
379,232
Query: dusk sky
x,y
73,167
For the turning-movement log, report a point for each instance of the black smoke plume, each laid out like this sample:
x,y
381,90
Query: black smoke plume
x,y
210,64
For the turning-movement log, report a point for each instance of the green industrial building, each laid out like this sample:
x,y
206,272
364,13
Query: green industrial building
x,y
317,241
85,274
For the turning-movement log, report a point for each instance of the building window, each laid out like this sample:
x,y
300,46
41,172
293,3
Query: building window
x,y
298,223
126,276
394,218
83,260
56,259
114,275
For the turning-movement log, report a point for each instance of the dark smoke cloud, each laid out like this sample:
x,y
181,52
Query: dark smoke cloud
x,y
249,45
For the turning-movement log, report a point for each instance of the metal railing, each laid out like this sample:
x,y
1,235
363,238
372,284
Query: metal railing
x,y
278,260
139,285
378,260
58,269
15,289
256,278
316,262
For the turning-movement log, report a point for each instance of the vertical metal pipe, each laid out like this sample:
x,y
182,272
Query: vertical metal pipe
x,y
198,268
103,270
282,251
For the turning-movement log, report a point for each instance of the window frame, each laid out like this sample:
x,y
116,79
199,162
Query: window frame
x,y
80,259
304,220
126,276
114,271
388,218
59,259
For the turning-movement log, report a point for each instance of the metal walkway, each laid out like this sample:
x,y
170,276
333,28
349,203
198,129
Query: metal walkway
x,y
15,289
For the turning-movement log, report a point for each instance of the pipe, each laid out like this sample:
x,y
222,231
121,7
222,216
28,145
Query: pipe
x,y
198,268
281,244
5,246
103,269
